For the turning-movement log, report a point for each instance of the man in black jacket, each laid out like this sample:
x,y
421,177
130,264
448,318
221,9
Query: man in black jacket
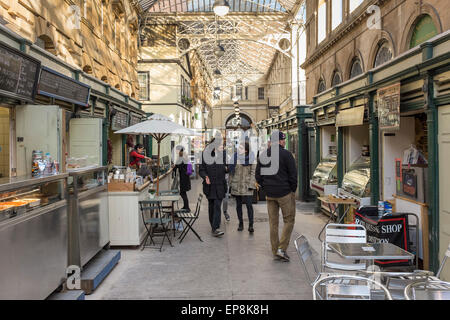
x,y
213,169
276,173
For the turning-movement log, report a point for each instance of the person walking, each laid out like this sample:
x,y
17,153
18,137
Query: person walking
x,y
280,189
242,171
212,170
185,181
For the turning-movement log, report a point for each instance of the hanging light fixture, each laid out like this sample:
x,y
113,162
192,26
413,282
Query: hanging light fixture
x,y
219,51
217,73
221,7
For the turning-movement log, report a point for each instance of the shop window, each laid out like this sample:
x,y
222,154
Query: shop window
x,y
144,85
261,93
321,21
46,43
336,13
321,87
354,4
356,68
239,89
337,79
384,54
424,30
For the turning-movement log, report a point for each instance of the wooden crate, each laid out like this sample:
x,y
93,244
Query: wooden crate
x,y
120,186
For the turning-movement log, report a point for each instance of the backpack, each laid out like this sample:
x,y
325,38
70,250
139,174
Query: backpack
x,y
189,169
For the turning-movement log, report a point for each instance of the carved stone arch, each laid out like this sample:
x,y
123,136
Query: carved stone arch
x,y
413,19
381,38
350,61
231,115
321,85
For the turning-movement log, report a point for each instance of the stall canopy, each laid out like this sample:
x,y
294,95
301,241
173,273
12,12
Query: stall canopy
x,y
159,127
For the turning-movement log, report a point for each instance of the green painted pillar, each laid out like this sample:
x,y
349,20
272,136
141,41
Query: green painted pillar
x,y
340,162
318,206
303,113
124,141
433,173
374,150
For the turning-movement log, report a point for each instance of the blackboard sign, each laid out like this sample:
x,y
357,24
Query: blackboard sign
x,y
134,119
56,85
120,120
388,229
18,73
388,100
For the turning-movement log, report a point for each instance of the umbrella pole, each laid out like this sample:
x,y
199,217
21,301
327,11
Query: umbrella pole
x,y
157,170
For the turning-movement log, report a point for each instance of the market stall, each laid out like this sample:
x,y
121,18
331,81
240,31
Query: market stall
x,y
88,213
33,235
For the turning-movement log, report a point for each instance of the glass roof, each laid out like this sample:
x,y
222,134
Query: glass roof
x,y
156,6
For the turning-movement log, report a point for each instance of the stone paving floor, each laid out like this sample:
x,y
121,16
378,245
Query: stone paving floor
x,y
239,265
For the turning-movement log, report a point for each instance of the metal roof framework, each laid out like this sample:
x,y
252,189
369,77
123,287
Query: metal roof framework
x,y
250,33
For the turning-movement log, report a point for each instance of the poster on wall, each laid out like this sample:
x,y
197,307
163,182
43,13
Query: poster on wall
x,y
388,100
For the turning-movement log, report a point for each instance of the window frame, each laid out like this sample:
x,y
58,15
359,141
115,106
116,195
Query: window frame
x,y
147,73
263,93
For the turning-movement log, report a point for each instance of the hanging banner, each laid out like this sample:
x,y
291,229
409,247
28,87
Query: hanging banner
x,y
388,100
350,117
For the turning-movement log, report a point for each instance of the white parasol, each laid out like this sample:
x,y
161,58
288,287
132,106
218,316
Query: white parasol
x,y
159,127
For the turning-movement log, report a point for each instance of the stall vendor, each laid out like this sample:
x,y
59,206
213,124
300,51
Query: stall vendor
x,y
137,156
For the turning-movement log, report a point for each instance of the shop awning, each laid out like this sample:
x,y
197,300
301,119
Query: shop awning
x,y
350,117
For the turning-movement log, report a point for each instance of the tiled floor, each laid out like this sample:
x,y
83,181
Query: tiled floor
x,y
238,265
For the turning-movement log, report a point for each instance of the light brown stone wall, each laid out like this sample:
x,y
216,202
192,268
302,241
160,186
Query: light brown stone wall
x,y
354,38
98,37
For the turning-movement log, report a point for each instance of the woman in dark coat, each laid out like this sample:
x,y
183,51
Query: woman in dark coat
x,y
212,170
185,180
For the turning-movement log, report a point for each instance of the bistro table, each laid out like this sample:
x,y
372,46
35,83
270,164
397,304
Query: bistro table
x,y
168,198
333,201
370,251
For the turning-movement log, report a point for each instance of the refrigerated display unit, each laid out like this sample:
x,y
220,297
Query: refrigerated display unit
x,y
88,213
324,179
356,182
33,236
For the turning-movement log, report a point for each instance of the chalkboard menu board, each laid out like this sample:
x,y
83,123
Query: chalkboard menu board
x,y
389,107
120,120
18,73
134,119
56,85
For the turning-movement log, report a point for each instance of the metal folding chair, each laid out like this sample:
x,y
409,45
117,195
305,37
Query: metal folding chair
x,y
305,254
342,233
348,287
428,290
155,222
189,219
396,282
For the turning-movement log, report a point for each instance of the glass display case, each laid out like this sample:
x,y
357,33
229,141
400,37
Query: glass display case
x,y
356,180
24,195
33,232
88,213
324,175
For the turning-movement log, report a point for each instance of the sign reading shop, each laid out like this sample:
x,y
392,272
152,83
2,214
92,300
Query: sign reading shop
x,y
18,74
56,85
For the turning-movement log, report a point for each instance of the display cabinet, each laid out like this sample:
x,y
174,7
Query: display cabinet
x,y
88,213
324,179
356,181
33,236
